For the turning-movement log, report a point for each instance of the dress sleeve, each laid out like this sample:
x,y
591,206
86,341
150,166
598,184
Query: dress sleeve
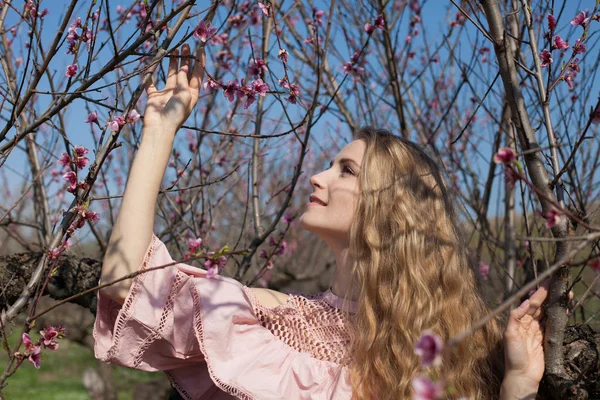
x,y
204,334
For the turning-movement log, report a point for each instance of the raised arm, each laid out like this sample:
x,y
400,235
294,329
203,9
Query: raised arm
x,y
166,111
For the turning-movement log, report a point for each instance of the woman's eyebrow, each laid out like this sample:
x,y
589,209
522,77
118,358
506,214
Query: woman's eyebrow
x,y
345,160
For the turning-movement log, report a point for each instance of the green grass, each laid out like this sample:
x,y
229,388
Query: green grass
x,y
60,375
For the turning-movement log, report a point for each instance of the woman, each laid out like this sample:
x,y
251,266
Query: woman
x,y
401,268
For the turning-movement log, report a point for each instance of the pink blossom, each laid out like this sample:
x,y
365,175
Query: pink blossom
x,y
211,272
71,179
379,22
263,254
415,6
579,47
263,8
29,346
116,123
92,117
545,58
559,43
86,215
369,28
283,55
210,84
230,90
250,99
18,61
32,351
484,271
260,87
132,116
71,70
281,248
425,389
92,216
64,159
204,31
50,335
213,267
35,357
236,20
194,245
580,19
294,93
82,162
429,349
347,67
318,16
596,115
504,155
552,218
574,66
80,151
256,67
551,22
55,252
569,78
220,39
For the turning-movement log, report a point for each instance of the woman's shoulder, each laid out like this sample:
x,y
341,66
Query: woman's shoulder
x,y
269,298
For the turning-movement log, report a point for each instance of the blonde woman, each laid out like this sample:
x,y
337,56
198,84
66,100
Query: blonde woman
x,y
401,268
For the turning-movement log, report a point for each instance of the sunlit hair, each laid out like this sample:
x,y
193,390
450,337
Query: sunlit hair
x,y
410,266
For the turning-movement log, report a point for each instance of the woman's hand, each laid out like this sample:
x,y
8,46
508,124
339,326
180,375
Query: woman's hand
x,y
167,109
523,347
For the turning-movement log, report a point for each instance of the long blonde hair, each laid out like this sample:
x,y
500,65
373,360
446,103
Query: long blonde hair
x,y
410,265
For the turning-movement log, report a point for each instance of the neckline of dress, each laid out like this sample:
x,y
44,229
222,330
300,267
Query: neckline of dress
x,y
338,302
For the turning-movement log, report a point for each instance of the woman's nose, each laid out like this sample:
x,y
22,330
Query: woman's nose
x,y
315,181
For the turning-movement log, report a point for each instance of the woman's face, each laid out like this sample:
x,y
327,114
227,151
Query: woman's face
x,y
338,188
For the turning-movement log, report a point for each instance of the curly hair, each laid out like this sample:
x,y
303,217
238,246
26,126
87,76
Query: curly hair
x,y
410,266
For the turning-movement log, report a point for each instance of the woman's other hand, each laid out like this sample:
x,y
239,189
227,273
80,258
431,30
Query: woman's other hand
x,y
167,109
523,342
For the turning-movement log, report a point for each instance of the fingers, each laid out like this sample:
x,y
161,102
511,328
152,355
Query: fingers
x,y
148,84
185,59
198,73
182,75
537,299
172,74
520,311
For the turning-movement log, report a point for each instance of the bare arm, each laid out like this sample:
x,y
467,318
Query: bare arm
x,y
165,112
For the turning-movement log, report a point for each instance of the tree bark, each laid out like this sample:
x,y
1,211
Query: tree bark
x,y
73,275
556,375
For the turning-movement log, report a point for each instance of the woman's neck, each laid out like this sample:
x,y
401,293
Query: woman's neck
x,y
341,284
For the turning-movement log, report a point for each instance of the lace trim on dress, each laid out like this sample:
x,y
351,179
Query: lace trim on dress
x,y
125,314
166,311
233,390
307,324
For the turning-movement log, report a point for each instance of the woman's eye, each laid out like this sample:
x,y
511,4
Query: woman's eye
x,y
347,169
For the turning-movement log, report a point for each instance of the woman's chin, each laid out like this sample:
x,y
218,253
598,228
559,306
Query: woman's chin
x,y
308,225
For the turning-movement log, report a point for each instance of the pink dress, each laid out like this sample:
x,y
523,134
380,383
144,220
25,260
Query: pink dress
x,y
214,340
